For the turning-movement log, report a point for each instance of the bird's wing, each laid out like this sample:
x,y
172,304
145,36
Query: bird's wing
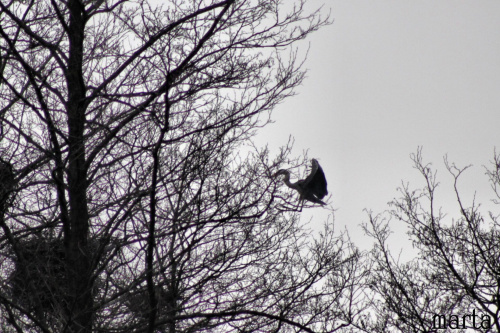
x,y
314,168
318,183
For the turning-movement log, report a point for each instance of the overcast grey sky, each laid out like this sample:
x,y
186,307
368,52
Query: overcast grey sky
x,y
385,78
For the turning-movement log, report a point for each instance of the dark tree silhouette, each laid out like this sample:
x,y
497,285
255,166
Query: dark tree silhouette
x,y
454,282
128,124
6,183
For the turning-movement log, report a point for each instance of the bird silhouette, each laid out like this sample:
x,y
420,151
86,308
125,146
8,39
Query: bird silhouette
x,y
313,188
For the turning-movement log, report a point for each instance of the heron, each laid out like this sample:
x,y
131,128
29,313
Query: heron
x,y
313,188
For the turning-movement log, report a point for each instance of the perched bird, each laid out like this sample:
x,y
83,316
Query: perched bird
x,y
313,188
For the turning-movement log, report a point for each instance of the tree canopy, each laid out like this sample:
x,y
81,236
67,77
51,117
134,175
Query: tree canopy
x,y
454,281
133,206
133,199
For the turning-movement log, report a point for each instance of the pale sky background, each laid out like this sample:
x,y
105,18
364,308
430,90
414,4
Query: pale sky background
x,y
385,78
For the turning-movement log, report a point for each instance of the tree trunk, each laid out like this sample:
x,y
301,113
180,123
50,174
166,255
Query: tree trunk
x,y
80,301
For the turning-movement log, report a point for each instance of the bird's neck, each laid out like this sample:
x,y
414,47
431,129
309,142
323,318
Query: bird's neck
x,y
287,182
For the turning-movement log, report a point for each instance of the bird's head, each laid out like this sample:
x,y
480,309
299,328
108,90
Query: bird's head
x,y
280,172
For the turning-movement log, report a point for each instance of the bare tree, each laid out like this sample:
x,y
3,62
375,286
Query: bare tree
x,y
125,122
454,283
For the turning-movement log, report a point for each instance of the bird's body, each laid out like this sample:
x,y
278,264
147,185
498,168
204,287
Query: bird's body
x,y
313,188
